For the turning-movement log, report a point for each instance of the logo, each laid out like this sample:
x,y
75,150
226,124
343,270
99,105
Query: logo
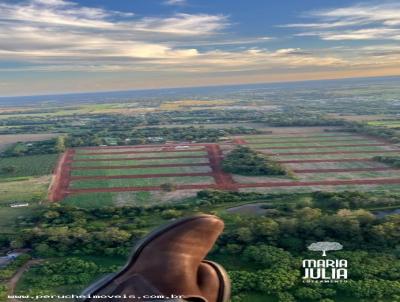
x,y
324,270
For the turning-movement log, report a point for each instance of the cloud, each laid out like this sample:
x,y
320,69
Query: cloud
x,y
175,2
357,22
60,35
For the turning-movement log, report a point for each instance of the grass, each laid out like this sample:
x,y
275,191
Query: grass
x,y
141,155
139,182
387,123
299,139
336,165
150,148
141,162
106,199
348,175
34,165
327,149
34,189
141,171
334,156
313,144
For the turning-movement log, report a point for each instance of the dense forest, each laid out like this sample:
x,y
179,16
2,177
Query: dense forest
x,y
271,245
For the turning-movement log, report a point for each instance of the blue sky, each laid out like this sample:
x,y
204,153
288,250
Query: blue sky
x,y
61,46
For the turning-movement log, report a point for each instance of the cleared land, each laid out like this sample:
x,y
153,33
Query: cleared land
x,y
9,139
318,159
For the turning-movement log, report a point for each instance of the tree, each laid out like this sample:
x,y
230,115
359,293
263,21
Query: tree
x,y
60,144
325,246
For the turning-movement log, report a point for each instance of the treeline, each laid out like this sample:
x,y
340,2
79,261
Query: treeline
x,y
123,137
391,160
245,161
155,135
288,203
270,246
382,132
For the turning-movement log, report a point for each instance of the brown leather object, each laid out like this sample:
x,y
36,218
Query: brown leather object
x,y
170,261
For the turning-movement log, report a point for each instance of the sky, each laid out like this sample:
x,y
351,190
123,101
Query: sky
x,y
67,46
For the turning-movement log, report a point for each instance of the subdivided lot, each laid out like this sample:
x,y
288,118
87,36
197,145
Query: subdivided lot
x,y
136,148
141,155
141,171
327,149
300,138
101,199
336,188
349,142
349,175
337,165
330,156
125,162
139,182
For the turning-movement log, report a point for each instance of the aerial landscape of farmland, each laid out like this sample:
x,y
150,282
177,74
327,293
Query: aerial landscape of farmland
x,y
198,150
180,157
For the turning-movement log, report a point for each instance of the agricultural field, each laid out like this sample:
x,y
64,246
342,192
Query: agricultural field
x,y
318,160
323,161
26,166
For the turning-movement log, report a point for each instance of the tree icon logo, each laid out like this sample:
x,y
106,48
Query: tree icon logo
x,y
325,246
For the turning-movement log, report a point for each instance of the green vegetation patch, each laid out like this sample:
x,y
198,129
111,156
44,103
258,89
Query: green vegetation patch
x,y
34,165
393,161
141,171
140,162
142,155
139,182
245,161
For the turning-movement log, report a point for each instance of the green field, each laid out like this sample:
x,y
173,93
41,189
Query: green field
x,y
141,171
327,149
139,182
35,165
349,175
34,190
142,155
299,139
333,156
313,144
337,165
386,123
140,162
132,148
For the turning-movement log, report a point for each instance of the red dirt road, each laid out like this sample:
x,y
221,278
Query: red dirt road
x,y
61,177
223,180
240,141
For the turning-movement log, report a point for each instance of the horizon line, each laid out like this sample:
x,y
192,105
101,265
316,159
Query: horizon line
x,y
189,87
